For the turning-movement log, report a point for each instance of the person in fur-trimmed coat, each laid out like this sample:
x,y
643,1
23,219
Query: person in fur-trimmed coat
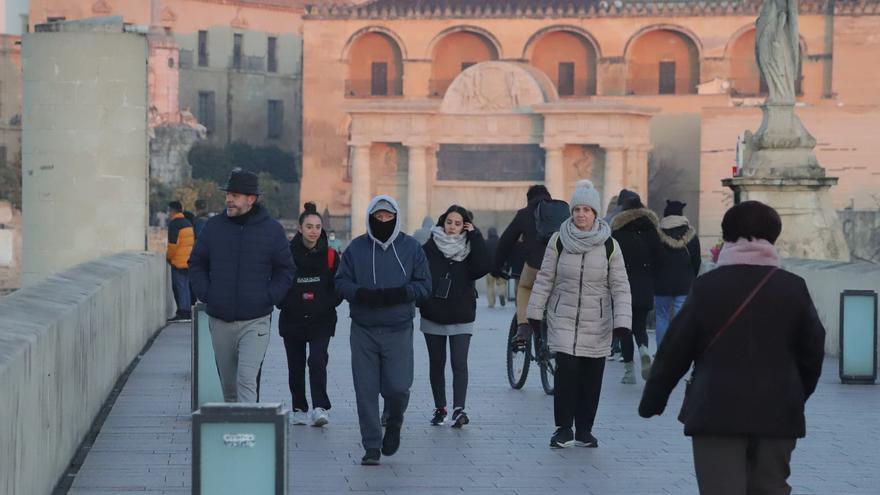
x,y
635,229
679,265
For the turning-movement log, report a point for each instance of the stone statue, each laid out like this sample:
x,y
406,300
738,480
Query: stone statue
x,y
777,47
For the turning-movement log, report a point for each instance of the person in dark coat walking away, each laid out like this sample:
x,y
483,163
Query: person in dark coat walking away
x,y
635,229
583,289
308,317
241,268
201,217
496,281
523,227
180,245
457,256
382,275
679,265
751,331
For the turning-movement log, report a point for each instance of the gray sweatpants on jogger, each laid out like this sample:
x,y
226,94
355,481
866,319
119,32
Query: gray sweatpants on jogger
x,y
239,349
381,364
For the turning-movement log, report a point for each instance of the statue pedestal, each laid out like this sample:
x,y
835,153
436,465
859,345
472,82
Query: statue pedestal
x,y
810,225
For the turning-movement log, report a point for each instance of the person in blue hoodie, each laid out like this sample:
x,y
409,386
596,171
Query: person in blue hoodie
x,y
382,275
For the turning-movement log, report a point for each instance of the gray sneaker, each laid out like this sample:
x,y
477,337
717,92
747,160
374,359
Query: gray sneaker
x,y
298,417
320,417
646,362
629,374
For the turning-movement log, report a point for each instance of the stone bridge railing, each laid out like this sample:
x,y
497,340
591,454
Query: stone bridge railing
x,y
64,342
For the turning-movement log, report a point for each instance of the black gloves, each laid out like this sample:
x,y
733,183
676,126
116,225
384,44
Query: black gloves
x,y
395,295
381,297
370,297
536,326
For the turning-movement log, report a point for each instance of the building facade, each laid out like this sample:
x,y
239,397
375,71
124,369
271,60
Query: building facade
x,y
378,115
239,61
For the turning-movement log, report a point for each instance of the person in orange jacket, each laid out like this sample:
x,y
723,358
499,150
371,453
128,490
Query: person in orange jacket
x,y
180,243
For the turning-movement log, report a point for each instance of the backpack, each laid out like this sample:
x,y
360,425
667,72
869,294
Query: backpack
x,y
331,259
549,215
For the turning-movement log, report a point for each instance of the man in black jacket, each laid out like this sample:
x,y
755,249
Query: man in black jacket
x,y
523,227
241,268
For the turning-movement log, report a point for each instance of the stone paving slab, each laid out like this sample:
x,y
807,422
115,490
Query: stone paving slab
x,y
145,444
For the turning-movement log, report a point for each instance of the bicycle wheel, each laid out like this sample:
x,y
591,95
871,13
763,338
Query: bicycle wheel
x,y
546,360
518,359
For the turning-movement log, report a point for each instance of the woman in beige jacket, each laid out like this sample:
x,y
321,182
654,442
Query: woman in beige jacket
x,y
583,287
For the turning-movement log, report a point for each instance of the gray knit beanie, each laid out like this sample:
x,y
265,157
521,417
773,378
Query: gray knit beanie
x,y
586,195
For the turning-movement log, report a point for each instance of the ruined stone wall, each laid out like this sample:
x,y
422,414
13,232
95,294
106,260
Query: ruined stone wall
x,y
862,232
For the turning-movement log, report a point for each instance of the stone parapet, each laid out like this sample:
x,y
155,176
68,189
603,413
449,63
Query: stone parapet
x,y
64,342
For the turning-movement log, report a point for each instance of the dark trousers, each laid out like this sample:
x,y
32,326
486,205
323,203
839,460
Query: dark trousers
x,y
743,465
576,394
639,332
180,287
296,371
458,347
381,364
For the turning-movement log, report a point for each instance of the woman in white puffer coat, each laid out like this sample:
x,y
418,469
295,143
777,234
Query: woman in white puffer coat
x,y
583,287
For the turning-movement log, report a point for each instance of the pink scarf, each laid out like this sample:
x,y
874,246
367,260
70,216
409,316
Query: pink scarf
x,y
746,252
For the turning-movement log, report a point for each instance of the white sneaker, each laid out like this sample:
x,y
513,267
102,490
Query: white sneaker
x,y
299,417
320,417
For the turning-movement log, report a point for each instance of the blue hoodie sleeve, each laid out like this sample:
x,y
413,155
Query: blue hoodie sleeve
x,y
419,285
199,266
346,283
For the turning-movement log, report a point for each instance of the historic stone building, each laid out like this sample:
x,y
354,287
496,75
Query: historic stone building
x,y
647,95
238,62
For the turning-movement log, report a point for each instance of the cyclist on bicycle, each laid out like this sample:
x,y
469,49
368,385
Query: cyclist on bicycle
x,y
523,228
583,288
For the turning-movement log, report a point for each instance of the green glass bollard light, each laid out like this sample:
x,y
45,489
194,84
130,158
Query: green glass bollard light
x,y
239,448
205,377
858,336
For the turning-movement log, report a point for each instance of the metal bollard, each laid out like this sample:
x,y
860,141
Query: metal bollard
x,y
858,336
205,377
239,448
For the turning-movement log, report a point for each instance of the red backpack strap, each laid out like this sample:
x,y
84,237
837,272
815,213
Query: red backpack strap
x,y
331,258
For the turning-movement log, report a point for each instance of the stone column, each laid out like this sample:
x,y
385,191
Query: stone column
x,y
637,171
554,170
416,190
613,175
360,187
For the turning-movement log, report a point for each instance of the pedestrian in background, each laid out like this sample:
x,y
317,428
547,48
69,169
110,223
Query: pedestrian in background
x,y
241,268
180,245
457,257
679,265
582,286
308,318
382,275
751,331
635,229
496,281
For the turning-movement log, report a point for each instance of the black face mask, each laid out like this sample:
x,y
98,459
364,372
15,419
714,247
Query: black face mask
x,y
382,230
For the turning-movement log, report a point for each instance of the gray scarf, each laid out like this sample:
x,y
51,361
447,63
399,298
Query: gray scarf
x,y
454,247
577,241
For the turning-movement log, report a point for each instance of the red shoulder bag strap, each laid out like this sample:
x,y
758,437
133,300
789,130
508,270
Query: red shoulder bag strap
x,y
742,307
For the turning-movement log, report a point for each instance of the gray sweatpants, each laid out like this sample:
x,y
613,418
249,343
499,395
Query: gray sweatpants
x,y
239,349
742,465
381,364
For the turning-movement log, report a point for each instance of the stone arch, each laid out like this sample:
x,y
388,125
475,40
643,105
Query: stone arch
x,y
663,59
346,50
454,50
744,76
374,59
568,55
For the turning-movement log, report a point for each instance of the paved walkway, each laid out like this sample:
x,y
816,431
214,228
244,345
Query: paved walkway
x,y
144,446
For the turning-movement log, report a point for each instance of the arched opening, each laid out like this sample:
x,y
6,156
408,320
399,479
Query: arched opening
x,y
569,60
375,67
664,62
745,78
454,53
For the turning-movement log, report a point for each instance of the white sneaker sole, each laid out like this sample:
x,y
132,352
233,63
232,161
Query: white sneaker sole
x,y
319,422
578,443
564,445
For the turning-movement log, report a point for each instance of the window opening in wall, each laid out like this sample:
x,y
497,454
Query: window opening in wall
x,y
465,65
276,118
56,19
203,48
237,40
272,55
206,110
566,79
667,78
379,79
